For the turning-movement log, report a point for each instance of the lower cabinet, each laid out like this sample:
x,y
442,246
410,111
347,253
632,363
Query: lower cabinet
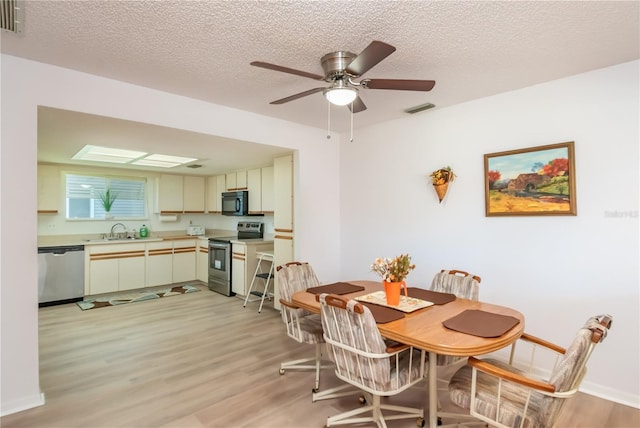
x,y
184,260
159,263
244,261
238,269
116,267
202,261
131,272
282,253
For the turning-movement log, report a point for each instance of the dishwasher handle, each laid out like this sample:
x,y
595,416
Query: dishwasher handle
x,y
61,250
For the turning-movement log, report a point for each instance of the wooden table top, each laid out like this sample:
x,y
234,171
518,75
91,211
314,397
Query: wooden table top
x,y
423,328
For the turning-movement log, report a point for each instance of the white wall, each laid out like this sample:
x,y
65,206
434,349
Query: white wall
x,y
556,270
25,86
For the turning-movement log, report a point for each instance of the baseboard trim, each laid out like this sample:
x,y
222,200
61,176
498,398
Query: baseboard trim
x,y
22,404
610,394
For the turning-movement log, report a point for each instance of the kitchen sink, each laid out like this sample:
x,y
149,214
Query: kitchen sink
x,y
113,239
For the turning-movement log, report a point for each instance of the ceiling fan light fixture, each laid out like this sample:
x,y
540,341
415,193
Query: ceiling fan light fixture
x,y
340,96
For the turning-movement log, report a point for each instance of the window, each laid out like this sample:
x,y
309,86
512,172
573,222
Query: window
x,y
84,193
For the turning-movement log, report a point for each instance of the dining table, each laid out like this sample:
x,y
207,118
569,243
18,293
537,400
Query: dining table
x,y
424,329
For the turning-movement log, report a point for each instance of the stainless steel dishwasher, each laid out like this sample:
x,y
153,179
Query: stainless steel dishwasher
x,y
60,274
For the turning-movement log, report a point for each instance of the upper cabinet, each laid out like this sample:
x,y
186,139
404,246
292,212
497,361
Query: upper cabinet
x,y
267,190
176,194
193,194
215,186
170,193
260,187
283,193
237,181
48,189
254,186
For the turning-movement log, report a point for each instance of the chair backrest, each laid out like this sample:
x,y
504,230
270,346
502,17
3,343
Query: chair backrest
x,y
293,277
354,342
460,283
568,373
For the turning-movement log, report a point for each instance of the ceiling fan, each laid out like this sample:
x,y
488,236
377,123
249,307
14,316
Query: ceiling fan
x,y
341,68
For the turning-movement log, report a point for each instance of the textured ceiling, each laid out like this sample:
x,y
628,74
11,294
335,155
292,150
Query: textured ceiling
x,y
203,49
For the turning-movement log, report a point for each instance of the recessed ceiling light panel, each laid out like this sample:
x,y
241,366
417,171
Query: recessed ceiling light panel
x,y
132,157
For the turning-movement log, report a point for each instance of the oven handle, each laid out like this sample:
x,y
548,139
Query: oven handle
x,y
213,244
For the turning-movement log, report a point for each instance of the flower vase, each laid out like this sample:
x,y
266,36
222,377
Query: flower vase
x,y
392,292
108,216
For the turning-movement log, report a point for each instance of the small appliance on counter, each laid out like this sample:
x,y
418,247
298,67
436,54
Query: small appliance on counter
x,y
193,230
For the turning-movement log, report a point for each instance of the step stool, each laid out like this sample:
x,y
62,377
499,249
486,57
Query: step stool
x,y
267,277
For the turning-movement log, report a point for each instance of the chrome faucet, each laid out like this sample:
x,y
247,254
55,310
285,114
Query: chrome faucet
x,y
113,235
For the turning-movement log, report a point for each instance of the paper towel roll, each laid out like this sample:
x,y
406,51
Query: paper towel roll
x,y
168,217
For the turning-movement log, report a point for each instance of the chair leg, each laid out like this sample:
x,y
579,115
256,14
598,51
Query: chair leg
x,y
302,365
377,415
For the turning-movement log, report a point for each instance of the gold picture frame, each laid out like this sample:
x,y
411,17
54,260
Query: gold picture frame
x,y
530,182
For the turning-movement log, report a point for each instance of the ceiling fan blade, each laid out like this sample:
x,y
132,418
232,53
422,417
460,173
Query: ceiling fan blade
x,y
399,85
296,96
286,70
369,57
357,106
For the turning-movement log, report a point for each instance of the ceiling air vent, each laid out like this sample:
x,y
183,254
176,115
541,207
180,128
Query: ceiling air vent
x,y
194,166
421,107
11,15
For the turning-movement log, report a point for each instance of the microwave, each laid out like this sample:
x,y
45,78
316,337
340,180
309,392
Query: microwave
x,y
235,203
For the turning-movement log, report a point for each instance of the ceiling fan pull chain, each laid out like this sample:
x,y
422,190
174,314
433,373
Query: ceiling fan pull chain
x,y
351,140
328,120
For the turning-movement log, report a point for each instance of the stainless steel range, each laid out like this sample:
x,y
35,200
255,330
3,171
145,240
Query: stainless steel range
x,y
220,255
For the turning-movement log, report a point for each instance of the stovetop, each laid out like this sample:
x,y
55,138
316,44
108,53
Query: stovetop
x,y
246,230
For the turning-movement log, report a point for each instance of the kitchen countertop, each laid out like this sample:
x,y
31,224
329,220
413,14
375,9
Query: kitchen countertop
x,y
60,240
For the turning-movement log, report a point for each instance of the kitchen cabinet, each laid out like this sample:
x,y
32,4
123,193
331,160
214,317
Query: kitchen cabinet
x,y
215,186
132,271
193,194
236,181
177,194
115,267
184,260
170,194
254,186
244,261
202,261
48,189
283,193
283,252
260,187
238,269
159,263
267,190
283,245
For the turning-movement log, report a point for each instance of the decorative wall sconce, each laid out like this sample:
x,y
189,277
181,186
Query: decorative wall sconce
x,y
441,179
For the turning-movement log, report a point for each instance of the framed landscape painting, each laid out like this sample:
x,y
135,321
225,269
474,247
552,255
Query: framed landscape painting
x,y
534,181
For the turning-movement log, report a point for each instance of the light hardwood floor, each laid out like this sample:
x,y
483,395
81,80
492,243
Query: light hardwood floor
x,y
201,360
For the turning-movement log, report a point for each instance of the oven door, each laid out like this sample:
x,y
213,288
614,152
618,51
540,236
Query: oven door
x,y
220,267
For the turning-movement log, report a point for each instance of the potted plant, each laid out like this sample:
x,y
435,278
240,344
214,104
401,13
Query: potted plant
x,y
107,198
393,273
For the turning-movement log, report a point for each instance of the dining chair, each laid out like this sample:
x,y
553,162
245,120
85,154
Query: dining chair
x,y
462,284
516,393
303,326
365,360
